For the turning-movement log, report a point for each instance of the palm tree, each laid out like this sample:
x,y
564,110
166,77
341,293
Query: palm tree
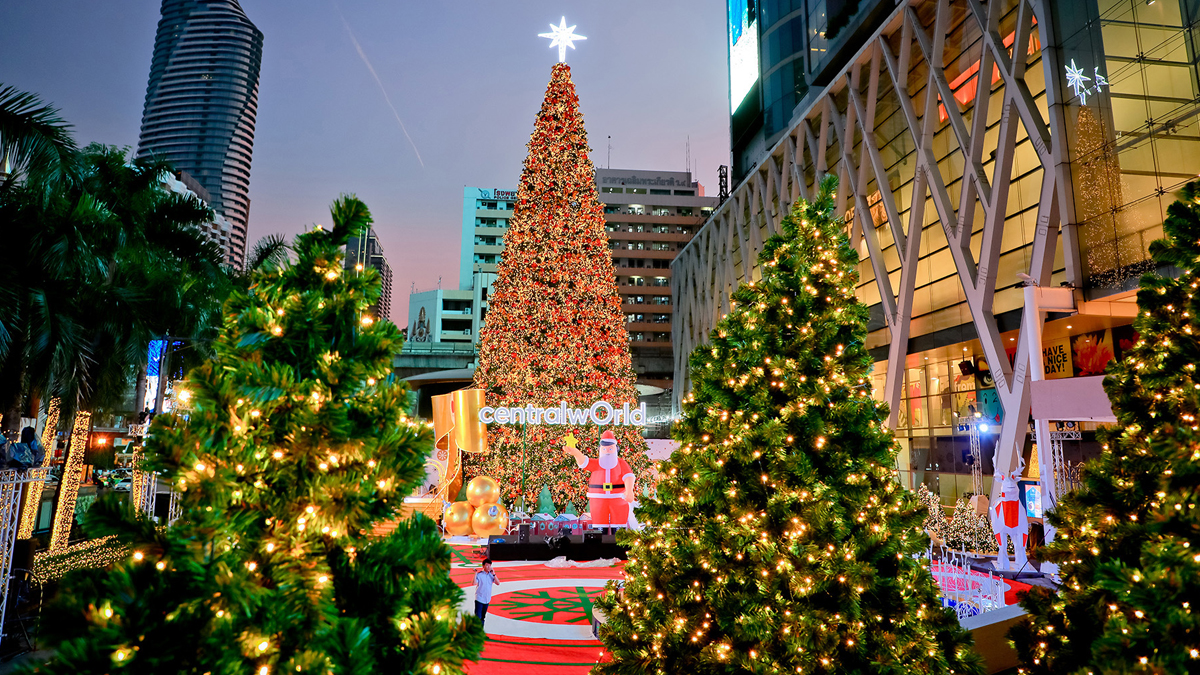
x,y
104,265
33,140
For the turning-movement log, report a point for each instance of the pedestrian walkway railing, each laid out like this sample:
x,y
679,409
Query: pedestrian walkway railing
x,y
968,592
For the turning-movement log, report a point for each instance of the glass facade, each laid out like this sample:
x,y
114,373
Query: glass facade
x,y
939,302
1133,124
1131,105
1113,85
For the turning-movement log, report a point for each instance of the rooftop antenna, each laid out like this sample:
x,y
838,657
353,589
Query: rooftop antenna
x,y
687,161
439,283
610,152
413,288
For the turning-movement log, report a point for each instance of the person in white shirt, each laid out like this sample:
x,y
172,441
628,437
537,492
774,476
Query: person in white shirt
x,y
484,579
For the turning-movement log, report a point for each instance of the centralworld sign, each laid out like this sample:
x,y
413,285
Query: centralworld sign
x,y
602,413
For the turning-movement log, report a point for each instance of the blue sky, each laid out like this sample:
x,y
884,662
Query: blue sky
x,y
466,77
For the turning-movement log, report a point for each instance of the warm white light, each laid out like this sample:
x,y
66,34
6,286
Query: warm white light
x,y
562,36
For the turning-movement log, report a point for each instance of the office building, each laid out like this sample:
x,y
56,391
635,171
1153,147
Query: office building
x,y
451,316
486,212
649,216
201,104
363,252
1060,166
783,53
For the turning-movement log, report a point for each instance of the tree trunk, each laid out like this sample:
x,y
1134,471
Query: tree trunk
x,y
60,533
140,403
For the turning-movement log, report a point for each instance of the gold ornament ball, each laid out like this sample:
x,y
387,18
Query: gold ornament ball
x,y
483,490
457,518
490,519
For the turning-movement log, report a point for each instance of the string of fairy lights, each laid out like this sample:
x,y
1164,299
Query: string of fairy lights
x,y
781,503
72,476
33,491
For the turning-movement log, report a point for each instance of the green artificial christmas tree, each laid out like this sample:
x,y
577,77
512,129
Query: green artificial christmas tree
x,y
1128,545
970,531
779,540
935,523
295,444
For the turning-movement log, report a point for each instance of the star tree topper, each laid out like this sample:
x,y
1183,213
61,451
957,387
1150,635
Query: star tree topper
x,y
562,36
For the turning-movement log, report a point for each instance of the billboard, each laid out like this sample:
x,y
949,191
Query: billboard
x,y
743,50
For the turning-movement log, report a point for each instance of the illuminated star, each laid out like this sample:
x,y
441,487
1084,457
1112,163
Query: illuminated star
x,y
1077,81
562,37
1100,81
571,441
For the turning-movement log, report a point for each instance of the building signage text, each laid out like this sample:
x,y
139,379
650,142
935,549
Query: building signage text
x,y
601,413
497,193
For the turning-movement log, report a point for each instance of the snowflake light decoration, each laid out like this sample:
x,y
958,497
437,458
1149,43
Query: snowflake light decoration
x,y
1077,81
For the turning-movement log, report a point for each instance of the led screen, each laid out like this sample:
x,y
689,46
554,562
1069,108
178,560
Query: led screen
x,y
743,50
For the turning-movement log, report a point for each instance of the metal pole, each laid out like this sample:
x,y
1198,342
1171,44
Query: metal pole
x,y
524,442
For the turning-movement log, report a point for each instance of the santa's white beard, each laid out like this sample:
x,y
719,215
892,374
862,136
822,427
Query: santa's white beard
x,y
608,460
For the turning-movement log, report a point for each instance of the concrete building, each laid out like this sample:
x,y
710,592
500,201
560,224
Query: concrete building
x,y
1059,167
362,252
220,231
449,316
649,216
486,212
201,104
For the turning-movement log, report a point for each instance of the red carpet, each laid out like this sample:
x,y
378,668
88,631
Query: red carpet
x,y
553,607
536,657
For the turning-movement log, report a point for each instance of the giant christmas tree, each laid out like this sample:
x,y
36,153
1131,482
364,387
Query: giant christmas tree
x,y
1128,541
296,443
779,541
555,331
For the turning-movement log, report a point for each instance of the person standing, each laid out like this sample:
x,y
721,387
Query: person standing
x,y
29,452
484,579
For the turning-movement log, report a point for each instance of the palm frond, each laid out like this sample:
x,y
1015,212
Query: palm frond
x,y
269,253
34,139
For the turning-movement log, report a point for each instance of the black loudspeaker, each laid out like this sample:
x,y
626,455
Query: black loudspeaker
x,y
23,554
523,533
591,537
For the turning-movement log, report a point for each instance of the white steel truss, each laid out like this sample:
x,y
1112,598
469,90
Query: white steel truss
x,y
12,483
843,118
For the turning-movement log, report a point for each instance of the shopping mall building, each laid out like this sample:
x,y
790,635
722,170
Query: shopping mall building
x,y
974,142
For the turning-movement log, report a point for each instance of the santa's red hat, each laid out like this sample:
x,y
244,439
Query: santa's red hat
x,y
608,438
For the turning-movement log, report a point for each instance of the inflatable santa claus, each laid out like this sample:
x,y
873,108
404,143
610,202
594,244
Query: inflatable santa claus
x,y
610,488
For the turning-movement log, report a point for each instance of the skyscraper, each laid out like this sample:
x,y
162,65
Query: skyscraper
x,y
201,103
367,252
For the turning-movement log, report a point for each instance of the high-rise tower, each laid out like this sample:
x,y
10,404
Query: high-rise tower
x,y
201,103
366,251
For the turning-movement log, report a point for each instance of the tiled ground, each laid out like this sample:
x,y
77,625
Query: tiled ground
x,y
539,620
